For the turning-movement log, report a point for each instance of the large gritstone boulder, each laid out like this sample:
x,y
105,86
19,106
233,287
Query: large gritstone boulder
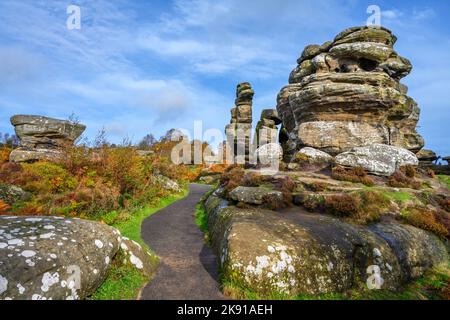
x,y
378,159
43,258
298,253
43,138
347,93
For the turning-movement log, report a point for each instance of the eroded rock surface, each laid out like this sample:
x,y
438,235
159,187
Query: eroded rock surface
x,y
43,138
379,159
295,252
347,93
238,132
43,258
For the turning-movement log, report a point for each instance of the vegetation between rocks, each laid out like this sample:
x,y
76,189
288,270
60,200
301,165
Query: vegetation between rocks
x,y
123,281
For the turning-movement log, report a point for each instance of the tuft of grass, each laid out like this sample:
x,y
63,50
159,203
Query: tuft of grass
x,y
444,179
434,285
201,217
123,281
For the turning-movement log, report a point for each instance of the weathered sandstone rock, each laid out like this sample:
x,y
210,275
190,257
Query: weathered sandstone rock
x,y
426,157
253,195
347,93
43,138
11,194
299,253
269,154
379,159
43,258
238,132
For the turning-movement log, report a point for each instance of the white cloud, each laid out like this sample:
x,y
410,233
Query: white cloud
x,y
392,14
423,13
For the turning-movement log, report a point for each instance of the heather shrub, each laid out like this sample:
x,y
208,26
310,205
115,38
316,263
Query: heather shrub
x,y
342,205
361,207
232,177
409,171
427,220
253,179
400,180
356,175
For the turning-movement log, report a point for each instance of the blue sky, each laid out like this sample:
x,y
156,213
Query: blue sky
x,y
137,67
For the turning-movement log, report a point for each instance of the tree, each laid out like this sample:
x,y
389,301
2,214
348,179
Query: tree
x,y
147,142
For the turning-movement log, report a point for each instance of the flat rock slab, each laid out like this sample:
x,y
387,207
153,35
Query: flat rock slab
x,y
188,268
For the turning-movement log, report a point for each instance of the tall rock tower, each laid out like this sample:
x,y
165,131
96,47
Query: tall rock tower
x,y
347,93
239,130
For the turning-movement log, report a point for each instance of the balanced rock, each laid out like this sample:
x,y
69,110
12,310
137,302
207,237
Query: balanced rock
x,y
44,258
347,93
378,159
43,138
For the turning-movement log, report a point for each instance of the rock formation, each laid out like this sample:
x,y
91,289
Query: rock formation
x,y
239,130
378,159
266,129
299,253
347,93
426,157
43,138
56,258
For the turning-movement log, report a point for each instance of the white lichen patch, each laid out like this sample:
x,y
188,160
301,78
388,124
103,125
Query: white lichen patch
x,y
47,235
3,284
136,262
28,253
376,252
20,288
16,242
49,280
99,244
107,260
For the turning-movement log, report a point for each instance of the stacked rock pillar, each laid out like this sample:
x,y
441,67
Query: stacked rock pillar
x,y
239,130
266,129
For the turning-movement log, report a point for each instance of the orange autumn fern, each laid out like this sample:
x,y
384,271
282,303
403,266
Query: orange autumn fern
x,y
4,208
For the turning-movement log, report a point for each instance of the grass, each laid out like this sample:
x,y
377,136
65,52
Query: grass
x,y
123,281
434,285
444,179
201,216
400,196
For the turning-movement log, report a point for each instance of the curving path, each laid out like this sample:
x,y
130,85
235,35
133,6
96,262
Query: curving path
x,y
188,268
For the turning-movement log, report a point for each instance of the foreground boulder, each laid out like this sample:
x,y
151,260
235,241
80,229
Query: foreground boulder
x,y
297,253
347,93
11,194
378,159
43,258
43,138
